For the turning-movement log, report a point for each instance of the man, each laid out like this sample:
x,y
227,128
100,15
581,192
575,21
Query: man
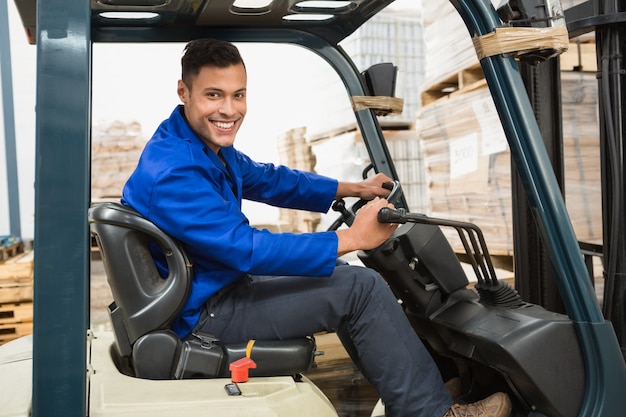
x,y
253,284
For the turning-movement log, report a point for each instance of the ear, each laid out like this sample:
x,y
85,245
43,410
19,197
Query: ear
x,y
183,91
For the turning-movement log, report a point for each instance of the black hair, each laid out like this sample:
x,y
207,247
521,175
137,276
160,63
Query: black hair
x,y
199,53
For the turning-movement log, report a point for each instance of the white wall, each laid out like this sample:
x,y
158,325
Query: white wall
x,y
138,82
24,74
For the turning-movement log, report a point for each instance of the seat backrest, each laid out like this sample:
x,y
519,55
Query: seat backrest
x,y
146,300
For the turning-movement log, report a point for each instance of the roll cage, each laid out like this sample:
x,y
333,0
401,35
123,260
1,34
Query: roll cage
x,y
64,31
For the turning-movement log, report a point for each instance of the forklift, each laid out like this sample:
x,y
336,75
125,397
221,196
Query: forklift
x,y
493,337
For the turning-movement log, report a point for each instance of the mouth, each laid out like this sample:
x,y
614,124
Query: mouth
x,y
222,125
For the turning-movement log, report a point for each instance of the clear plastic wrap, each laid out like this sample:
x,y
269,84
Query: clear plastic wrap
x,y
115,151
468,169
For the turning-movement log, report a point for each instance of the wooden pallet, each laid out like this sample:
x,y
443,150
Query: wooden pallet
x,y
11,292
11,313
12,331
16,279
17,267
16,320
463,81
580,57
10,251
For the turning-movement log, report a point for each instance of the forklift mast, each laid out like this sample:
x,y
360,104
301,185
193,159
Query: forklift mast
x,y
534,274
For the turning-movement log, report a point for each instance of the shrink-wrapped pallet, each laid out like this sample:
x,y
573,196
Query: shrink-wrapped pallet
x,y
295,152
344,156
405,149
582,154
467,166
115,151
448,44
467,162
451,62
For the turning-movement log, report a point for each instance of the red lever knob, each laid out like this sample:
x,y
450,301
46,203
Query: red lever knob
x,y
239,369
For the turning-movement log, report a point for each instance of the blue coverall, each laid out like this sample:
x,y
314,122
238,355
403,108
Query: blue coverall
x,y
253,284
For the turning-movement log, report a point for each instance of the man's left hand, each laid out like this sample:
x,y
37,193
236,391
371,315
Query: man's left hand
x,y
367,189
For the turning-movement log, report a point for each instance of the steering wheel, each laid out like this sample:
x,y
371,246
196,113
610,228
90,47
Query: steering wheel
x,y
346,215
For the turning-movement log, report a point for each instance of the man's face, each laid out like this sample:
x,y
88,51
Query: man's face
x,y
215,105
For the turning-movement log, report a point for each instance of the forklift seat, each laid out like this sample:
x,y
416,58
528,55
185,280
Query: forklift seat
x,y
146,303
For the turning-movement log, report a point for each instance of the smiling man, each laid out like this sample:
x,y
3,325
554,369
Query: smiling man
x,y
253,284
217,107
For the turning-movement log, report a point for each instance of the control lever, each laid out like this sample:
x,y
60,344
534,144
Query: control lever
x,y
395,191
346,217
491,291
387,215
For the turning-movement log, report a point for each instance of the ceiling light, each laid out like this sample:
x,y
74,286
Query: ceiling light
x,y
308,17
323,4
136,3
252,4
129,15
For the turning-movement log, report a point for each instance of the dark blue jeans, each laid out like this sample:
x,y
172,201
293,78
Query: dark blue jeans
x,y
356,303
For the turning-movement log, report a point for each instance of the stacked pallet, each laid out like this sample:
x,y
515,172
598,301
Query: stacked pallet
x,y
467,161
466,157
406,153
451,64
16,297
295,152
467,166
10,246
115,151
449,48
583,194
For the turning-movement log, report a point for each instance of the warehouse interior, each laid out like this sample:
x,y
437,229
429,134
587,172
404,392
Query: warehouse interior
x,y
448,145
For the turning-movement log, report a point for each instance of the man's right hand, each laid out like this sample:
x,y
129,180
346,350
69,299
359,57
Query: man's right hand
x,y
366,231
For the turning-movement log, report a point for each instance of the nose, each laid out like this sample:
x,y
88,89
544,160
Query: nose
x,y
227,106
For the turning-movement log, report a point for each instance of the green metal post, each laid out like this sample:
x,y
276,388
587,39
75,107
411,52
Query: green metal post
x,y
62,184
604,365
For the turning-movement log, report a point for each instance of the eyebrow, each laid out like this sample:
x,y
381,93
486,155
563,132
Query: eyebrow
x,y
241,90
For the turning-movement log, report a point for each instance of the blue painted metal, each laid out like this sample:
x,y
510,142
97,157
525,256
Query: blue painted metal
x,y
604,365
62,180
9,123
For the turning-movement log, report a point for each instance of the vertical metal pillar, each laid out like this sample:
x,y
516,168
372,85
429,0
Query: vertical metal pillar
x,y
605,369
62,184
534,278
9,122
610,51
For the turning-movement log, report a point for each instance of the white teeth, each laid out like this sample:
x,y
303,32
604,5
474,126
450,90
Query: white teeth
x,y
224,125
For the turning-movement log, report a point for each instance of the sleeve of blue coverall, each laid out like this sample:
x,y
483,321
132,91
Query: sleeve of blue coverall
x,y
284,187
192,204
